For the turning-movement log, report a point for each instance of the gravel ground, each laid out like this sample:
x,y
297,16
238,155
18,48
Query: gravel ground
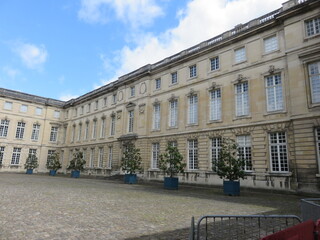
x,y
44,207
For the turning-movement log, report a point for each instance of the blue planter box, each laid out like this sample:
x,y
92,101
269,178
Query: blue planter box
x,y
29,171
75,174
130,178
52,172
171,183
231,188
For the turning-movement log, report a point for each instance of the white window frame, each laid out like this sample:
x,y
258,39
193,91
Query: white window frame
x,y
54,134
214,63
216,145
94,129
193,109
56,114
4,127
113,125
245,151
270,44
110,157
155,155
103,128
20,130
38,111
242,99
173,113
2,148
130,120
86,131
240,55
317,143
174,78
80,132
73,133
35,132
16,153
215,104
91,160
156,116
88,107
132,91
277,150
100,162
193,71
274,92
157,84
193,154
310,27
314,81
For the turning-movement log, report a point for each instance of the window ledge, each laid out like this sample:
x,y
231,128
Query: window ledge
x,y
280,174
275,112
318,175
154,170
191,78
242,117
238,63
214,71
171,128
173,84
214,121
307,38
273,51
155,130
192,125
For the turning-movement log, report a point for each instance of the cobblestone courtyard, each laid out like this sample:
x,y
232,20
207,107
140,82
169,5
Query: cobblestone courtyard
x,y
44,207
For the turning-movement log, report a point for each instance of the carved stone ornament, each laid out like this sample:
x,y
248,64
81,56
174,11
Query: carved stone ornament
x,y
215,134
103,116
130,105
119,114
143,88
277,126
241,78
242,130
87,120
112,114
142,108
271,69
120,96
213,86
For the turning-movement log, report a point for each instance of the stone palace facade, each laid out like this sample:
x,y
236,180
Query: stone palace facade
x,y
258,83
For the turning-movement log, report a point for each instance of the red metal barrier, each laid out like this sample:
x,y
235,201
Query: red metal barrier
x,y
304,231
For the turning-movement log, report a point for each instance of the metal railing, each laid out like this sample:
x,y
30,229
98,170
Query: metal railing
x,y
240,226
310,209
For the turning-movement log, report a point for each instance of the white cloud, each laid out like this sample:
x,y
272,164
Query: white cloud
x,y
10,72
31,55
135,12
67,97
198,21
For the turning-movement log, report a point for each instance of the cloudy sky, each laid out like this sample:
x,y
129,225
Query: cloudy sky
x,y
63,49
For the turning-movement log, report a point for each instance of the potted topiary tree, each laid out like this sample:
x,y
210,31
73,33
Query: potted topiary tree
x,y
31,163
53,163
171,164
131,163
230,167
76,164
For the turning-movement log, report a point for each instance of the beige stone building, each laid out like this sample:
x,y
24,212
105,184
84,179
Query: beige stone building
x,y
258,83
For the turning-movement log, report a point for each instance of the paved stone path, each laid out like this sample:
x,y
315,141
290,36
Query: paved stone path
x,y
44,207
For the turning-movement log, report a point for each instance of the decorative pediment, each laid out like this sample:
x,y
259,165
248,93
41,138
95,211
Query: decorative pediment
x,y
214,86
103,116
87,120
112,114
215,134
191,92
156,101
142,108
242,130
119,113
277,127
95,119
130,105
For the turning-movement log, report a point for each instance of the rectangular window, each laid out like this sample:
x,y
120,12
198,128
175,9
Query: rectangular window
x,y
270,44
94,129
240,55
91,161
88,107
100,163
114,98
244,151
215,152
82,110
214,63
50,153
73,133
193,154
278,152
110,156
132,91
96,105
155,155
312,27
35,132
105,101
20,130
103,128
56,114
8,105
23,108
242,99
64,135
173,143
86,131
193,109
274,93
158,83
173,113
317,133
156,116
215,104
67,114
15,160
1,154
38,111
314,77
113,125
4,126
79,132
193,71
130,122
174,78
54,134
33,151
